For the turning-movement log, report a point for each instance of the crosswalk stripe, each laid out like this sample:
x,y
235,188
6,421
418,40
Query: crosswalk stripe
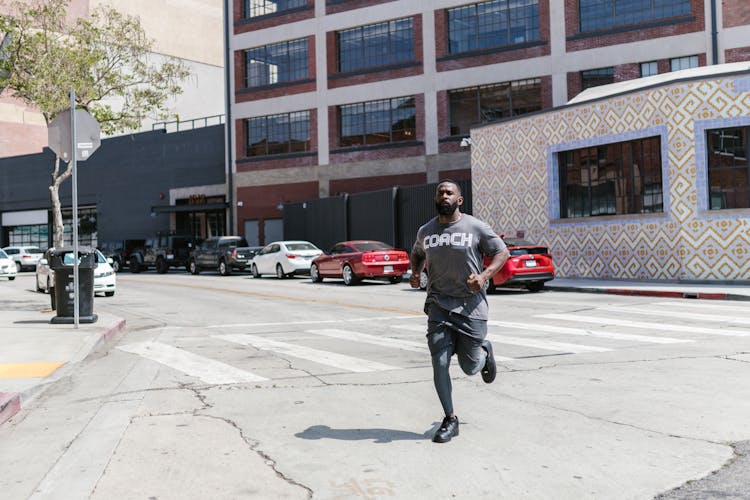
x,y
541,328
678,314
309,322
423,329
644,325
547,345
405,345
335,360
707,305
205,369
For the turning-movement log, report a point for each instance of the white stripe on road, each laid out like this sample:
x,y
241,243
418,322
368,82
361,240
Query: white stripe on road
x,y
335,360
721,318
423,329
205,369
644,325
308,322
547,345
541,328
709,305
405,345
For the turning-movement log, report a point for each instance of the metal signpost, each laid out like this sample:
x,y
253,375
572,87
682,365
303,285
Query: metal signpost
x,y
63,136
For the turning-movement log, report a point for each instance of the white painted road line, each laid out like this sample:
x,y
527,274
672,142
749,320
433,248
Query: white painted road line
x,y
719,318
405,345
205,369
644,325
547,345
335,360
423,329
309,322
541,328
710,305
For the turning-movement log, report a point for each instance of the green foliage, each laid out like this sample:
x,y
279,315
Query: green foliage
x,y
105,57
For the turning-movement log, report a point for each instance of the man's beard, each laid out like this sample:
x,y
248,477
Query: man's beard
x,y
446,209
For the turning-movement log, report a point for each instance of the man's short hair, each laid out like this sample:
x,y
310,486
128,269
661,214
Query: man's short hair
x,y
450,181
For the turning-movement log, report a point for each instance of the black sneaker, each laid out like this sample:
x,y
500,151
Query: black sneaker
x,y
447,430
489,370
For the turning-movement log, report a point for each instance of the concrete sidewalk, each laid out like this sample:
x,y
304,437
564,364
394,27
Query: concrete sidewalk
x,y
35,353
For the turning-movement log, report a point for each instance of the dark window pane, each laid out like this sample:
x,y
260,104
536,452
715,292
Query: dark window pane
x,y
376,45
605,14
728,168
597,77
279,62
255,8
492,24
377,122
615,179
278,134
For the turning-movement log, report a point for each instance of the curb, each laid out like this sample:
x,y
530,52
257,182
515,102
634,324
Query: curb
x,y
653,293
12,402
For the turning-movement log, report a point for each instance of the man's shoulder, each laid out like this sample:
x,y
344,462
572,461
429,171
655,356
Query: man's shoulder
x,y
427,225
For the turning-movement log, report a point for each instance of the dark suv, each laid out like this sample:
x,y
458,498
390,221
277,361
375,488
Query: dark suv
x,y
119,251
162,252
223,253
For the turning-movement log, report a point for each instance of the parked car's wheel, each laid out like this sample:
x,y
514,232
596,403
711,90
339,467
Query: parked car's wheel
x,y
11,278
49,287
116,265
161,266
109,294
395,279
255,272
193,267
535,286
18,267
135,267
315,274
224,269
423,279
280,272
349,277
38,288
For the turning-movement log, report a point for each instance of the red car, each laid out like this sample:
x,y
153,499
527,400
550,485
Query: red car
x,y
529,266
360,259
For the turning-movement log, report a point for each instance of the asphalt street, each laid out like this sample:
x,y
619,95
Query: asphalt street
x,y
235,387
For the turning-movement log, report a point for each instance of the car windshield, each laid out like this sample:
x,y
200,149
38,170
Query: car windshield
x,y
294,247
372,245
34,250
3,255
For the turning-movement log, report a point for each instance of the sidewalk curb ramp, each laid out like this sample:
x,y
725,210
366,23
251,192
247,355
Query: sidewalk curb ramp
x,y
13,402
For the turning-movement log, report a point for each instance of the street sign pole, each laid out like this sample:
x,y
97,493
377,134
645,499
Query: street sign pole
x,y
76,278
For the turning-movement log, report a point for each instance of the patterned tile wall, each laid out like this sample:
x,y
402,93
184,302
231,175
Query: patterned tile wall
x,y
514,184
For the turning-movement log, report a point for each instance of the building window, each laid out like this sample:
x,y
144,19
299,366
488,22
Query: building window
x,y
597,77
606,14
280,62
377,122
649,69
376,45
679,63
728,168
278,134
613,179
474,105
256,8
492,24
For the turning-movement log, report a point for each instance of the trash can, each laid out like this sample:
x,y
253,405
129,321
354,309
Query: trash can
x,y
61,263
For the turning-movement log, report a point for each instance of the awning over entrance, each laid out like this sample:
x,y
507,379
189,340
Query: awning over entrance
x,y
205,207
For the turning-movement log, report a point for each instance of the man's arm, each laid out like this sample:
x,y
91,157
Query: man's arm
x,y
417,263
477,281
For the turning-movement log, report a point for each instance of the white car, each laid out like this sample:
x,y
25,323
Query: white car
x,y
7,267
105,280
284,258
24,257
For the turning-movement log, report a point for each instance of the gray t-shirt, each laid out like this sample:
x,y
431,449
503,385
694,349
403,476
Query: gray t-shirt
x,y
453,252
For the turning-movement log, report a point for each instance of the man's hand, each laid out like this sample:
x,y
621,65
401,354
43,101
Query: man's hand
x,y
475,282
414,280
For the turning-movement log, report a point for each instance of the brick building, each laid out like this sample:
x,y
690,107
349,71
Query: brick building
x,y
333,96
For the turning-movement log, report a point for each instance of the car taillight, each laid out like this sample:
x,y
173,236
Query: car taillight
x,y
291,256
26,257
170,251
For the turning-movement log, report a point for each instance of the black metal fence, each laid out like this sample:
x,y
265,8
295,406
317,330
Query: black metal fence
x,y
390,215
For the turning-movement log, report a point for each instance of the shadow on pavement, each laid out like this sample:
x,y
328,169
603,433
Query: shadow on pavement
x,y
378,435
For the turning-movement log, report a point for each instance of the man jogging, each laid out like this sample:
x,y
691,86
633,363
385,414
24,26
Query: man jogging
x,y
453,245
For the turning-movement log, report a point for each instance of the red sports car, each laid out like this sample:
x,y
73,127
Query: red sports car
x,y
529,266
360,259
